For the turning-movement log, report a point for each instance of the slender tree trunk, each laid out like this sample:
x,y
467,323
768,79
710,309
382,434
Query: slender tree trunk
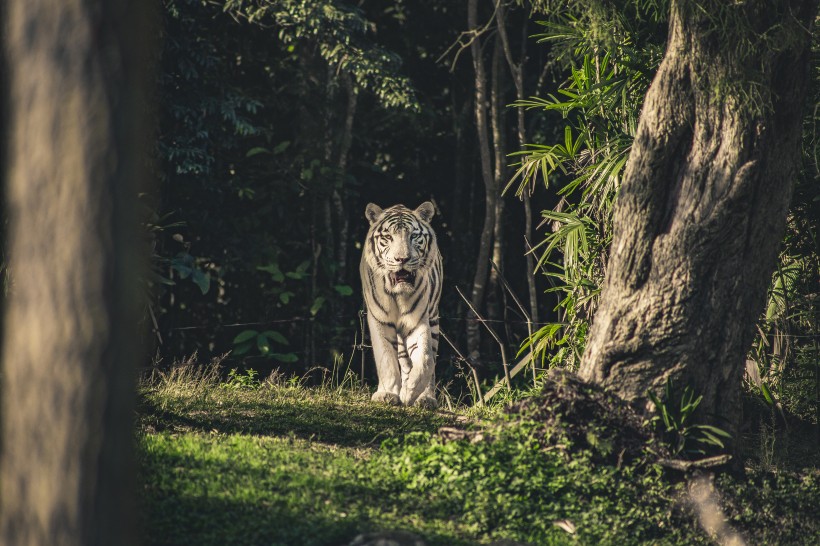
x,y
323,184
490,190
460,212
702,208
495,293
338,191
517,71
74,158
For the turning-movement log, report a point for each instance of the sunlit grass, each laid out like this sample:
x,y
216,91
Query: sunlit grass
x,y
274,462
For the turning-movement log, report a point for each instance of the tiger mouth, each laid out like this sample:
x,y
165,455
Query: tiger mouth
x,y
402,276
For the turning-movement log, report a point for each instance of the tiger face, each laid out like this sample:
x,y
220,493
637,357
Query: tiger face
x,y
400,242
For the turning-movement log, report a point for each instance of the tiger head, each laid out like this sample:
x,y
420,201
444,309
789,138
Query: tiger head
x,y
400,245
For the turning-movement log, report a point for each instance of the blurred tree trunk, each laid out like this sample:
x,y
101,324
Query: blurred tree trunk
x,y
70,337
702,208
490,189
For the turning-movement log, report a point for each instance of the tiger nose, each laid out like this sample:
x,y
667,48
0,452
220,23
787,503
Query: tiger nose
x,y
403,260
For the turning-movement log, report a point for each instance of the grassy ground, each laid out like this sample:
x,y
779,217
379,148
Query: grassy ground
x,y
247,463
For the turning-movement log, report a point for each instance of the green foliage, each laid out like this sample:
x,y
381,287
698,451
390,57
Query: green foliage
x,y
185,265
338,31
675,418
263,342
768,505
255,101
239,381
783,361
600,102
512,487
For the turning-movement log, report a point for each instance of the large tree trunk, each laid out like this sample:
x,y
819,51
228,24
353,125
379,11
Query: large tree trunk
x,y
70,330
702,208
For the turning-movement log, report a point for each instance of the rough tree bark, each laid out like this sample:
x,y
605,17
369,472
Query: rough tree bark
x,y
702,208
490,189
70,331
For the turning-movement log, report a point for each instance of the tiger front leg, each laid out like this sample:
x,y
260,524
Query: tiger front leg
x,y
383,339
418,385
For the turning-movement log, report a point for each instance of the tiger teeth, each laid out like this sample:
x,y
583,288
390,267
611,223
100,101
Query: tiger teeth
x,y
402,276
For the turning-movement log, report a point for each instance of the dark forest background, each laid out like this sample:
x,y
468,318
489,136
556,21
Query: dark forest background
x,y
269,152
279,122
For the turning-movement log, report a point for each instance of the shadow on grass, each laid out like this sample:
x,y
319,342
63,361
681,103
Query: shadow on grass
x,y
190,500
350,425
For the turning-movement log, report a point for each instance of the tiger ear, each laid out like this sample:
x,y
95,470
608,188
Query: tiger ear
x,y
426,211
372,213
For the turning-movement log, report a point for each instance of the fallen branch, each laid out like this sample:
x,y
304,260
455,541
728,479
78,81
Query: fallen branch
x,y
685,466
452,434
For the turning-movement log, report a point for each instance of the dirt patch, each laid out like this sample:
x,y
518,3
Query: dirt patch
x,y
579,415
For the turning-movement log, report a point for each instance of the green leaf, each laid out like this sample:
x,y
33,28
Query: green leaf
x,y
244,336
275,336
667,419
183,263
240,350
317,304
263,344
344,290
183,270
715,430
281,147
767,394
286,357
284,297
710,439
256,151
202,280
274,271
295,275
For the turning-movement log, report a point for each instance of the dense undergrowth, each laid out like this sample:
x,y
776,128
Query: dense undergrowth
x,y
275,462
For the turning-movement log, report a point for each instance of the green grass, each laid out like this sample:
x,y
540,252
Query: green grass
x,y
277,463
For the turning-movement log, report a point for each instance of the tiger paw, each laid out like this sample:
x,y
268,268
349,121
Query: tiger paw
x,y
426,402
386,397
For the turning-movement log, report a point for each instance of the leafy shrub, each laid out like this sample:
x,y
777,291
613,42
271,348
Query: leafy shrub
x,y
675,419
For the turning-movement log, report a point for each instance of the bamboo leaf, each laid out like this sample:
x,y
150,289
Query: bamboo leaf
x,y
244,336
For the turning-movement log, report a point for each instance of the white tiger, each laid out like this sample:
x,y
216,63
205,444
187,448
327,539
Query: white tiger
x,y
401,280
